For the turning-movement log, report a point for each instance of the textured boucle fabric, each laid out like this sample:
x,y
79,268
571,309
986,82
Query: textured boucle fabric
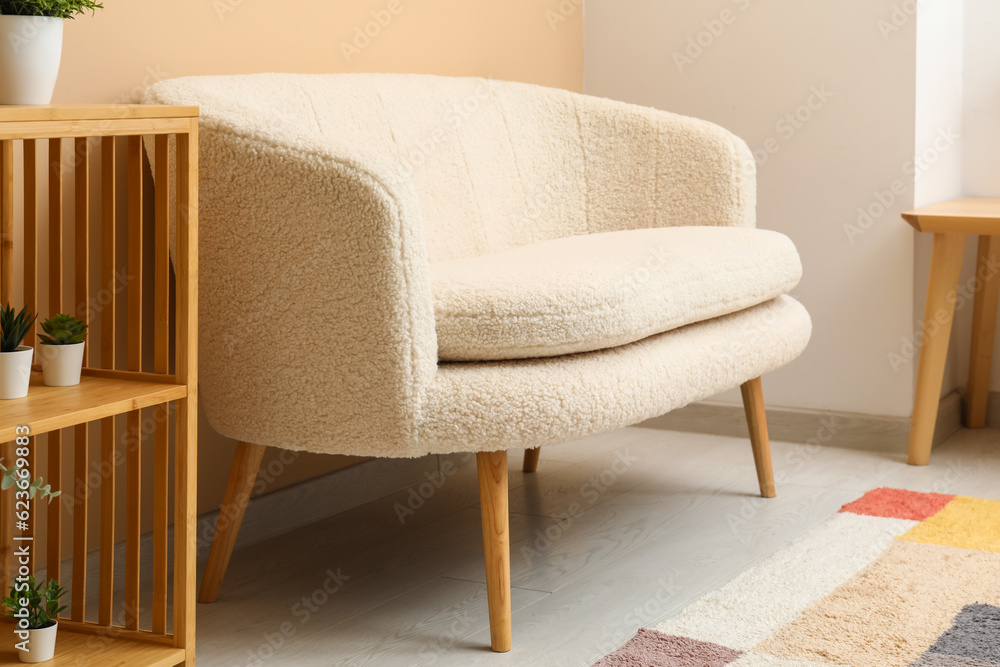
x,y
596,291
325,200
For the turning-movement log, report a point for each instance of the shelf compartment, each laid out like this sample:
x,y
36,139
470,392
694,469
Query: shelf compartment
x,y
50,408
81,649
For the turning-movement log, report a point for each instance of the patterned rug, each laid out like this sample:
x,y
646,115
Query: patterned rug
x,y
896,578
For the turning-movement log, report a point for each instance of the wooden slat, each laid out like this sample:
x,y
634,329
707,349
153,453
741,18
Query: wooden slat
x,y
14,112
186,435
7,222
91,128
30,282
133,519
117,632
81,451
6,296
108,264
105,601
53,557
130,376
33,512
161,361
30,235
53,540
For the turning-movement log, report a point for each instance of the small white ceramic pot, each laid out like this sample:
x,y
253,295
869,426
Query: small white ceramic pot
x,y
61,364
30,51
15,372
41,644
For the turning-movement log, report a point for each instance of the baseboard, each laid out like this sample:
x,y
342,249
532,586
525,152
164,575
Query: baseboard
x,y
835,429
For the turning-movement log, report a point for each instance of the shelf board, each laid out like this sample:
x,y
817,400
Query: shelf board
x,y
87,650
49,408
77,112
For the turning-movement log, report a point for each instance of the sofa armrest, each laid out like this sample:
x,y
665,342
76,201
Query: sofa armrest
x,y
652,168
315,296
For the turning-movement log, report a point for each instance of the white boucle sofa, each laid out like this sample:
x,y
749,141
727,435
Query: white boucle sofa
x,y
402,265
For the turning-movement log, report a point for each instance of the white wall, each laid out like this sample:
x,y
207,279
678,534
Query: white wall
x,y
981,121
758,62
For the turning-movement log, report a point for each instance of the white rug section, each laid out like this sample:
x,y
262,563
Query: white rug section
x,y
761,660
748,609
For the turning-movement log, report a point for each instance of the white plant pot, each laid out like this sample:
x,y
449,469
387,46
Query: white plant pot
x,y
15,372
61,364
41,644
30,51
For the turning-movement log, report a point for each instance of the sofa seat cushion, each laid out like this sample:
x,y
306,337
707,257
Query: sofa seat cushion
x,y
597,291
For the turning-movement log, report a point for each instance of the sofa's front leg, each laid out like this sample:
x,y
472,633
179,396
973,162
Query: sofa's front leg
x,y
753,404
492,468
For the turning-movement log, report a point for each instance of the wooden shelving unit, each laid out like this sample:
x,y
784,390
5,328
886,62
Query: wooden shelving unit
x,y
82,232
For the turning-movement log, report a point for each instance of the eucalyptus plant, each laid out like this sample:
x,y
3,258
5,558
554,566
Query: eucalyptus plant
x,y
63,9
8,477
41,602
63,330
14,327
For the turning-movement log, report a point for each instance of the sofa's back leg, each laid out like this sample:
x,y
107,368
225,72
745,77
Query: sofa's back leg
x,y
531,459
246,463
492,467
753,403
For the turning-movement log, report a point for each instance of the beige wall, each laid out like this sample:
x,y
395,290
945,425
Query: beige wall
x,y
110,56
754,67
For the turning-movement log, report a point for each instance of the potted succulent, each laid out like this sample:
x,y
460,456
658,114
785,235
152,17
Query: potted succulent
x,y
33,607
61,351
31,47
15,359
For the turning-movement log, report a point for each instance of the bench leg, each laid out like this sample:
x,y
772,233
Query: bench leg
x,y
753,404
984,321
492,468
946,264
242,475
531,459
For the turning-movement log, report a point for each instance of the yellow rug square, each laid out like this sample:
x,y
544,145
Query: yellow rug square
x,y
966,523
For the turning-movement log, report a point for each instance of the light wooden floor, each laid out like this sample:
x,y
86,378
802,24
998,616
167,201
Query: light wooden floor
x,y
599,549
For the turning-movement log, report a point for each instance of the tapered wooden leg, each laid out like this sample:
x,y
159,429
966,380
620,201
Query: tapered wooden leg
x,y
531,459
946,264
983,329
246,463
492,467
753,404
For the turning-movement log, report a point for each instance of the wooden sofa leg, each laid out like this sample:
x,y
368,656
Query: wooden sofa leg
x,y
492,467
753,403
531,459
246,463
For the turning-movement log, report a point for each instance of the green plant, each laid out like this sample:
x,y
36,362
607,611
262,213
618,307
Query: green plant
x,y
8,477
63,330
13,327
63,9
40,602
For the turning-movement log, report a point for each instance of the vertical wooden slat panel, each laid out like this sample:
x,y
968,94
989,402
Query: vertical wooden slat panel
x,y
106,303
6,296
133,517
53,557
81,452
186,340
161,364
